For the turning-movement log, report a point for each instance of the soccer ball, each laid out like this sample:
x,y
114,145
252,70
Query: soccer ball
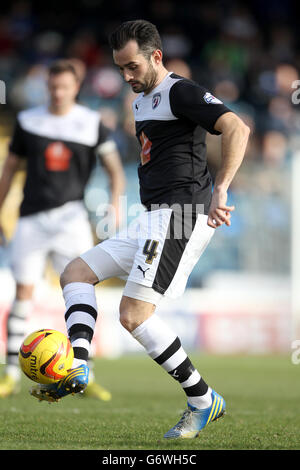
x,y
45,356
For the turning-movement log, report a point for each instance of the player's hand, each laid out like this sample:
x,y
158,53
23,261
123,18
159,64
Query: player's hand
x,y
219,213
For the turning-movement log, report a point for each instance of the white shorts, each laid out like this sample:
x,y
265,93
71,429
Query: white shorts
x,y
61,234
158,250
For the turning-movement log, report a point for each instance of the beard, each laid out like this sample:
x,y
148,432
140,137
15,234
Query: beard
x,y
148,82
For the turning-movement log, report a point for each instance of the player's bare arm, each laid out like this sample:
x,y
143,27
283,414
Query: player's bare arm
x,y
10,167
114,169
234,141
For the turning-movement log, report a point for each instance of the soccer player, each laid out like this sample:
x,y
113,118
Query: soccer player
x,y
160,249
60,143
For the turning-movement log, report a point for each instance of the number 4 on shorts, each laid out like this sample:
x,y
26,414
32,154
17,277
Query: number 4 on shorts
x,y
150,250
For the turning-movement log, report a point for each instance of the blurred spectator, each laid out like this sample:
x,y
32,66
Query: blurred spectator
x,y
282,42
227,90
180,67
228,54
106,82
109,117
85,46
282,115
175,43
240,24
47,46
274,149
31,89
285,75
80,68
124,133
21,20
7,40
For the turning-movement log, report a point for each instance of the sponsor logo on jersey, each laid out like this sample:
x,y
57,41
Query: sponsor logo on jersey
x,y
156,100
209,98
146,148
57,157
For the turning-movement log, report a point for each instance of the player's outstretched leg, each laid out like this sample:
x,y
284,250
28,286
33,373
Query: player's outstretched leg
x,y
194,419
75,381
80,317
164,346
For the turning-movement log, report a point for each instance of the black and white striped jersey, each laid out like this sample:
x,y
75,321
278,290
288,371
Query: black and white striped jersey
x,y
60,153
171,124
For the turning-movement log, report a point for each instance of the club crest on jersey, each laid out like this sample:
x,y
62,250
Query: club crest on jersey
x,y
156,100
209,98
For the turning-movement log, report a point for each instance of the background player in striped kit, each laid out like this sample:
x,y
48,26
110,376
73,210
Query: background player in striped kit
x,y
60,143
172,115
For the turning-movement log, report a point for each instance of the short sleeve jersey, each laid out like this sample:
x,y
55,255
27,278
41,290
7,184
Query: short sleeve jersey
x,y
60,153
171,125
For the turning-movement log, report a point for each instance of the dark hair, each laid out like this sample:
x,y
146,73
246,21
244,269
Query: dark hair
x,y
142,31
61,66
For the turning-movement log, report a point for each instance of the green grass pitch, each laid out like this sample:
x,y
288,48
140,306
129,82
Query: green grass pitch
x,y
262,395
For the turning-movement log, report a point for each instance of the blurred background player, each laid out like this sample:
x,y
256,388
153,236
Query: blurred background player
x,y
60,142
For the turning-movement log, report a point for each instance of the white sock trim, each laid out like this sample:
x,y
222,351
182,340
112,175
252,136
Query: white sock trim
x,y
77,363
21,308
79,293
155,335
81,343
192,380
201,402
78,286
80,317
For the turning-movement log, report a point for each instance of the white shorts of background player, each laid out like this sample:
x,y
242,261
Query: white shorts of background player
x,y
60,234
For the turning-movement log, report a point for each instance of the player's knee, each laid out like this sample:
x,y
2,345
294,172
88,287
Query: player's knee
x,y
24,292
77,271
134,312
127,318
